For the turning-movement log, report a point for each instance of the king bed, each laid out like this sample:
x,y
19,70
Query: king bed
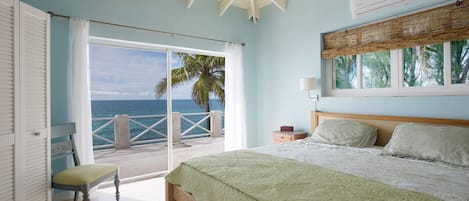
x,y
311,170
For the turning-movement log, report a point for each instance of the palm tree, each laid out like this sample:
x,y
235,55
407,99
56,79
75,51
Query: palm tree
x,y
430,60
346,70
460,61
209,72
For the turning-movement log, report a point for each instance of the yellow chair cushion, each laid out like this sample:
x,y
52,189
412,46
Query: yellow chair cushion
x,y
83,174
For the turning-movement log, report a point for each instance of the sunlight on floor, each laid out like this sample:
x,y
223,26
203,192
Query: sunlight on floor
x,y
146,190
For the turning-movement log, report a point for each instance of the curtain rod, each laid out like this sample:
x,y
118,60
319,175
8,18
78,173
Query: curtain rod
x,y
52,14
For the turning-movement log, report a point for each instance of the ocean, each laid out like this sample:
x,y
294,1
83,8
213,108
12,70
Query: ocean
x,y
111,108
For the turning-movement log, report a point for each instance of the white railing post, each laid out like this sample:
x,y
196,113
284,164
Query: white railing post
x,y
215,123
176,133
121,132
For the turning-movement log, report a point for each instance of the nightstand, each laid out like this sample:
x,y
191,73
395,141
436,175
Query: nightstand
x,y
287,136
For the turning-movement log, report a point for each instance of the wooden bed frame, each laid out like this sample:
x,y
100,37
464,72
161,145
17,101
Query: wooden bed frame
x,y
385,125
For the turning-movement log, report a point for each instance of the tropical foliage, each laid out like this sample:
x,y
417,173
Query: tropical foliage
x,y
376,70
460,61
346,72
423,65
209,72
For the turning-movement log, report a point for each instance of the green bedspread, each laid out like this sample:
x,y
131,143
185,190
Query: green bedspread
x,y
248,176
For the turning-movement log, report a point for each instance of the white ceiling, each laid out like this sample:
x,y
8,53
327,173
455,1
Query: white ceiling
x,y
246,4
253,7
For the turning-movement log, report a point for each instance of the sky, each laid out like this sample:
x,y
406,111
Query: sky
x,y
130,74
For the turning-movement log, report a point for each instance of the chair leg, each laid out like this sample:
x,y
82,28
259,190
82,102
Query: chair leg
x,y
75,197
116,183
86,195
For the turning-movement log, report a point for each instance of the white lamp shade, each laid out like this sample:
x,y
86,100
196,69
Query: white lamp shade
x,y
307,84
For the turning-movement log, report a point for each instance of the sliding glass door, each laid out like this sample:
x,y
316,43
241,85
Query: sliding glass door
x,y
129,123
197,104
154,106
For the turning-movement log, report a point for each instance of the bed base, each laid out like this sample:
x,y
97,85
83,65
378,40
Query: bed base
x,y
385,125
175,193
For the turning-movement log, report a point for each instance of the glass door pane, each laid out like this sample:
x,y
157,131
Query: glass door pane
x,y
129,122
197,104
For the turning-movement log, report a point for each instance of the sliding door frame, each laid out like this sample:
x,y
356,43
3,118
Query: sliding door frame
x,y
169,51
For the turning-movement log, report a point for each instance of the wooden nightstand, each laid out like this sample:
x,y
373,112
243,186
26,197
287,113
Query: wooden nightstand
x,y
279,137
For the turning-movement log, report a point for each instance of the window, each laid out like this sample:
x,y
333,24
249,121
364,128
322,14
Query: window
x,y
435,69
460,62
376,70
423,66
346,72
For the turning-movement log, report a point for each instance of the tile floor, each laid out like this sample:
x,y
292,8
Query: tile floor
x,y
146,159
146,190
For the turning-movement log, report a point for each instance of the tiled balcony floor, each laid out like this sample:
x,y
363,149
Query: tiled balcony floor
x,y
146,159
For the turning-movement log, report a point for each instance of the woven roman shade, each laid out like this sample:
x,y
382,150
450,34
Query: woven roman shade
x,y
437,25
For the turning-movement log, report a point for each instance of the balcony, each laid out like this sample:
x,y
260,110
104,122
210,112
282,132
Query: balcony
x,y
138,144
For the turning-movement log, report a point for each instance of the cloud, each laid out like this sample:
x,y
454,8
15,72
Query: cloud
x,y
121,73
131,74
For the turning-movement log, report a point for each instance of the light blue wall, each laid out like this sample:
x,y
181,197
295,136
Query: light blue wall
x,y
281,49
288,47
168,15
173,16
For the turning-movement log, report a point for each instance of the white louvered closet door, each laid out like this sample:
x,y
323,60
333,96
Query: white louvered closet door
x,y
8,98
34,66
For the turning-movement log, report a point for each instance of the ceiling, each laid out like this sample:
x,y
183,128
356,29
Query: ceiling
x,y
253,7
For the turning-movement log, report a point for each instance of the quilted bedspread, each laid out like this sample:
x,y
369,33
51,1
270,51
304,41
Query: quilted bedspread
x,y
251,176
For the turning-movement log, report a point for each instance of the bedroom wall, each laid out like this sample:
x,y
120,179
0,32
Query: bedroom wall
x,y
281,49
201,20
288,47
173,16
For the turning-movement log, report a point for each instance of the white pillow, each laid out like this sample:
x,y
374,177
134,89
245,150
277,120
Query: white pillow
x,y
345,133
448,144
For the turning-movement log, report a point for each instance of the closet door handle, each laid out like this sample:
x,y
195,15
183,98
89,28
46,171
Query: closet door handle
x,y
37,133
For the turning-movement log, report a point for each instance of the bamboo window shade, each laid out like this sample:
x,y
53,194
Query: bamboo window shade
x,y
442,24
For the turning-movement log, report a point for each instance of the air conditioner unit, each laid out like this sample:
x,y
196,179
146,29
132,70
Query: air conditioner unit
x,y
360,8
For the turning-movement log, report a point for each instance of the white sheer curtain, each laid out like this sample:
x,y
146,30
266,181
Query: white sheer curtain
x,y
79,105
235,104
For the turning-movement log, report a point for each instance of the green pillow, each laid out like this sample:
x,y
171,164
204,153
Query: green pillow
x,y
448,144
345,133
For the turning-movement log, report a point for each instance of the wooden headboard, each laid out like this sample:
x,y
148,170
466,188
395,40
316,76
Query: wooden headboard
x,y
385,124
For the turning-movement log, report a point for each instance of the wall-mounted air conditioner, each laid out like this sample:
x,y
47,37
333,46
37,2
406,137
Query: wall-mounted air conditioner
x,y
360,8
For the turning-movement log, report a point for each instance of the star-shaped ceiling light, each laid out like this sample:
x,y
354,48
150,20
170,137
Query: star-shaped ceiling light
x,y
253,7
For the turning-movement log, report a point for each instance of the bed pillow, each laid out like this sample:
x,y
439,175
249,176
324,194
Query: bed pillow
x,y
345,133
448,144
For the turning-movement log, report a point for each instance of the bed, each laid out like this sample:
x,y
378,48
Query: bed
x,y
321,171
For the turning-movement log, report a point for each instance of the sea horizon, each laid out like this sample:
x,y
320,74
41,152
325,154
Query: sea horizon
x,y
110,108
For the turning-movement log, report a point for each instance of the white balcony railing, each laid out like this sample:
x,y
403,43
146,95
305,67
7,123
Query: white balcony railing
x,y
123,131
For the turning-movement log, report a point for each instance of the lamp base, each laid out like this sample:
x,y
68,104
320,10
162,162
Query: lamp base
x,y
313,97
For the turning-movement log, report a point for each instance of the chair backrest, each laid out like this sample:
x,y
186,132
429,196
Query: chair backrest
x,y
63,144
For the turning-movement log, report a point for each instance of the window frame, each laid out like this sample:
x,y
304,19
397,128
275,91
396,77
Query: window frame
x,y
397,80
150,46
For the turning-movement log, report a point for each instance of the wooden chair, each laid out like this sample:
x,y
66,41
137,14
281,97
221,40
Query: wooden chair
x,y
80,177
